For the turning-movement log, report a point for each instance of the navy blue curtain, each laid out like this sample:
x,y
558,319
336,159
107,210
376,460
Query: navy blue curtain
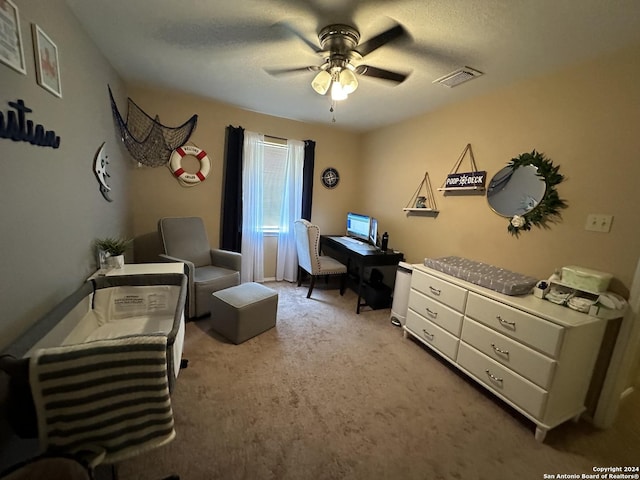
x,y
307,178
231,231
231,215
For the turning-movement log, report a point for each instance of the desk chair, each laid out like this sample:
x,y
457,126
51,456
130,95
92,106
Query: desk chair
x,y
184,239
309,258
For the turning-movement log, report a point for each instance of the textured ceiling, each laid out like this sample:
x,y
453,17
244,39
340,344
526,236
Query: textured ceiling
x,y
222,49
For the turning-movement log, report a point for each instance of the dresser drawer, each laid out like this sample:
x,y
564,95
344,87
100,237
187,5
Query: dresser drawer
x,y
432,335
539,334
523,360
498,378
436,312
451,295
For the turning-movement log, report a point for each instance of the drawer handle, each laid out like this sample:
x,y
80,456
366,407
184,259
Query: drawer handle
x,y
506,323
435,291
498,350
428,335
494,378
432,314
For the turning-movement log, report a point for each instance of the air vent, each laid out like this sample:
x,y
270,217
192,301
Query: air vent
x,y
457,77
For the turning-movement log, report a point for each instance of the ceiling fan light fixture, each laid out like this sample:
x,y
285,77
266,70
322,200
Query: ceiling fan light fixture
x,y
322,82
337,92
348,81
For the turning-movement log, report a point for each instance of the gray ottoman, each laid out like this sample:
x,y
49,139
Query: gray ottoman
x,y
244,311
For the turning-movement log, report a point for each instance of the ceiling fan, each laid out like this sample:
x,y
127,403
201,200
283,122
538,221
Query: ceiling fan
x,y
342,51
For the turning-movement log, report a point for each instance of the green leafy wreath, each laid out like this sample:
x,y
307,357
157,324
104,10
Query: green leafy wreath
x,y
548,210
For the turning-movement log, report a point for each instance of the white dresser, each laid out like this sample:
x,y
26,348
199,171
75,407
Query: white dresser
x,y
536,356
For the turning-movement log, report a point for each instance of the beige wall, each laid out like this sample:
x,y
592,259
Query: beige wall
x,y
585,119
52,209
156,193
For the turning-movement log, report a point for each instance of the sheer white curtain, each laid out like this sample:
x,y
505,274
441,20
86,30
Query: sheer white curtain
x,y
252,212
287,260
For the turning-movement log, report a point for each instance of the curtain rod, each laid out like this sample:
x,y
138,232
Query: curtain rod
x,y
283,139
276,138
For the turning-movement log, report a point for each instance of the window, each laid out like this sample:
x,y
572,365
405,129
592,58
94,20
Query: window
x,y
272,186
275,157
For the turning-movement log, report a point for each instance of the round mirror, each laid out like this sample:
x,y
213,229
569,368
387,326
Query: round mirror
x,y
516,191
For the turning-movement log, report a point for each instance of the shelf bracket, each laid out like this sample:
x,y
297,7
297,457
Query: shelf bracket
x,y
474,175
423,199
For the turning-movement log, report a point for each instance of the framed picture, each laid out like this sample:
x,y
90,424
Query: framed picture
x,y
47,65
11,52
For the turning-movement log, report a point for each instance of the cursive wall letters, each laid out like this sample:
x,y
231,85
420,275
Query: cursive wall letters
x,y
18,129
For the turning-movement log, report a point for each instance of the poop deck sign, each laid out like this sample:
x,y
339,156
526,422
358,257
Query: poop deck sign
x,y
466,180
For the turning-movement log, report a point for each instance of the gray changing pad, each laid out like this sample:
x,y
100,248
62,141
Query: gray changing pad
x,y
488,276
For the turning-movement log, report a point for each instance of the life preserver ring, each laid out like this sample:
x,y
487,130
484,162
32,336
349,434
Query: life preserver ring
x,y
175,164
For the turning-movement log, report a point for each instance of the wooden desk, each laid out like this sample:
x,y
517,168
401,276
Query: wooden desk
x,y
357,257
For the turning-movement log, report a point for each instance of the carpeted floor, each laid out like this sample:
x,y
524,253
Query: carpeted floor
x,y
329,394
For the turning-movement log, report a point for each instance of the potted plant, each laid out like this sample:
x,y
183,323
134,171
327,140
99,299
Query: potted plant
x,y
113,249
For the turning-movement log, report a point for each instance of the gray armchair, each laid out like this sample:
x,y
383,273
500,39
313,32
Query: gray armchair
x,y
184,239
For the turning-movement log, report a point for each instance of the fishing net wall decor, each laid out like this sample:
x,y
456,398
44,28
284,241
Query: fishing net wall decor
x,y
148,141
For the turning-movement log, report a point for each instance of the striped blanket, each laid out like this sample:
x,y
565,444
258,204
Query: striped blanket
x,y
105,400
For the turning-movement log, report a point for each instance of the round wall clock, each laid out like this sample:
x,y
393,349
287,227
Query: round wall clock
x,y
330,177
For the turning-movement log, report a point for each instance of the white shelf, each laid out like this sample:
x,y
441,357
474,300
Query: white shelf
x,y
428,200
450,189
421,211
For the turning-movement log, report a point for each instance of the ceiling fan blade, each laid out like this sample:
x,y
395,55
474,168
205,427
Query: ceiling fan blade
x,y
375,72
312,45
325,12
379,40
285,71
205,35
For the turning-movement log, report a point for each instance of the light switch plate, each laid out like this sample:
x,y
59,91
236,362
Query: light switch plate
x,y
599,222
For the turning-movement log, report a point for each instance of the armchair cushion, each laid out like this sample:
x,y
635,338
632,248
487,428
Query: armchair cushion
x,y
186,238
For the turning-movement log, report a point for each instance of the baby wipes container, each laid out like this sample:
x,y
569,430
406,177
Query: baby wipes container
x,y
585,279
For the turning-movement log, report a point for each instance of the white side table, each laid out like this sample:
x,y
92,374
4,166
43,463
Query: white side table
x,y
141,269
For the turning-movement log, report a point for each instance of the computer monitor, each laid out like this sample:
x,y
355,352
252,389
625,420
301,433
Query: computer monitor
x,y
373,232
358,226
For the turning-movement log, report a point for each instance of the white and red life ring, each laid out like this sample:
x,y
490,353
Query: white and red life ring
x,y
175,164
